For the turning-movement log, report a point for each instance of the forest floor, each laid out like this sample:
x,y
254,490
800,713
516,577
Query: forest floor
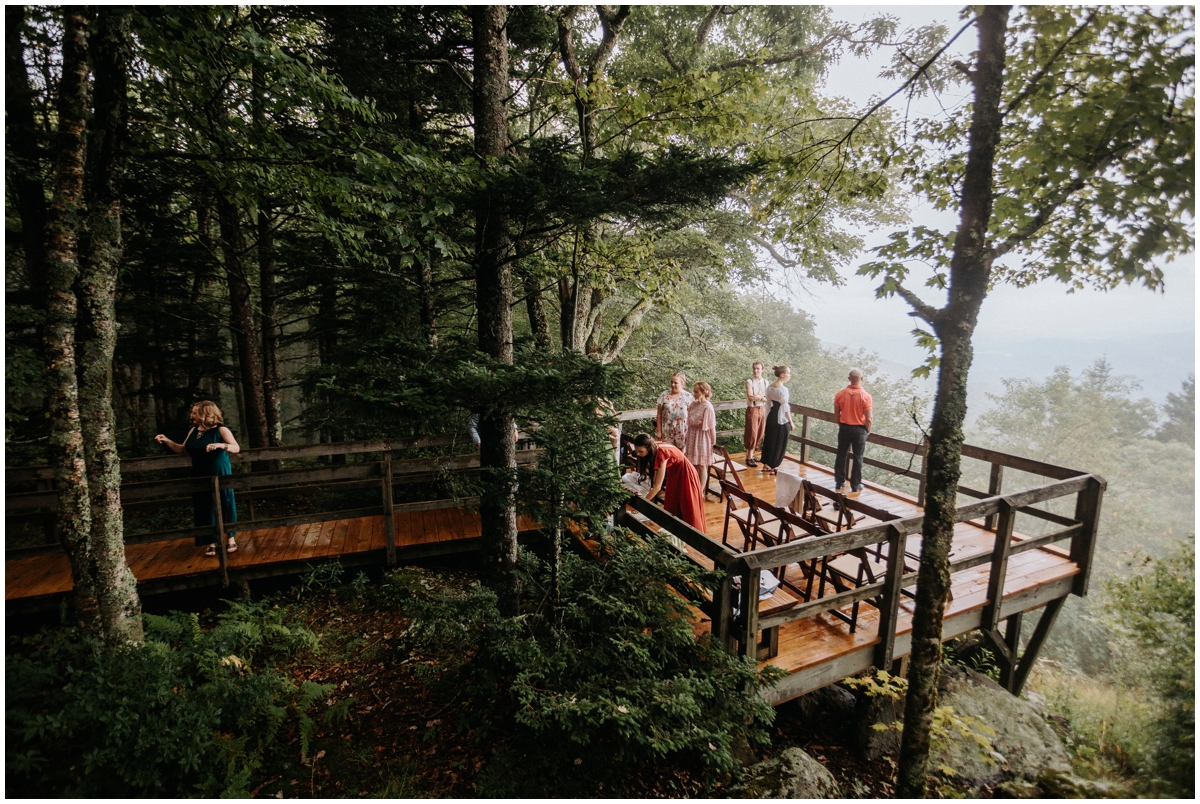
x,y
402,738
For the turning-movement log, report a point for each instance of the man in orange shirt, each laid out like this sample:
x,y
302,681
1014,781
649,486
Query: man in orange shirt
x,y
852,408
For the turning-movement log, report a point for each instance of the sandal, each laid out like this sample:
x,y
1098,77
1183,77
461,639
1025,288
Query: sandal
x,y
211,552
232,548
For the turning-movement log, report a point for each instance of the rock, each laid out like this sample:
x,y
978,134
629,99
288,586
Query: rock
x,y
832,706
1021,748
872,743
792,774
1059,782
1018,789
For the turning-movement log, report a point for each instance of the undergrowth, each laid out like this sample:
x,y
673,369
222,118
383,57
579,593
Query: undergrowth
x,y
190,712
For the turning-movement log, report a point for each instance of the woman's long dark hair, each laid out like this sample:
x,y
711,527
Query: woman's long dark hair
x,y
646,465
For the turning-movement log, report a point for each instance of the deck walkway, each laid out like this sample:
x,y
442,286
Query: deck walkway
x,y
820,650
179,564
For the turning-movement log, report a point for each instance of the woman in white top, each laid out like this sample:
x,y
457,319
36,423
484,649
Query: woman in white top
x,y
756,412
779,420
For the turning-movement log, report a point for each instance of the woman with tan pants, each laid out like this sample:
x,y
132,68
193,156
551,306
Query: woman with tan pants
x,y
756,412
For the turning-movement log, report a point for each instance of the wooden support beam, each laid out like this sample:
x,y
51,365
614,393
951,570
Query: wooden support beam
x,y
749,634
889,609
994,485
389,518
1083,544
219,516
1003,543
722,622
1040,632
1012,640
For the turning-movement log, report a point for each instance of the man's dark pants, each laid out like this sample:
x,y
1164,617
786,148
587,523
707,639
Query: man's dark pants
x,y
850,436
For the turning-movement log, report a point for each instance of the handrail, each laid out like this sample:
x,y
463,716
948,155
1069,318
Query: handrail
x,y
19,474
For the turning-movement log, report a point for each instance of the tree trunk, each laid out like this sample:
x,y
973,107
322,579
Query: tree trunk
x,y
266,266
493,287
62,271
954,325
272,384
116,587
24,163
424,272
242,322
536,308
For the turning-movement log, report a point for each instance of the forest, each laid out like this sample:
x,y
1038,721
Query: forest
x,y
361,231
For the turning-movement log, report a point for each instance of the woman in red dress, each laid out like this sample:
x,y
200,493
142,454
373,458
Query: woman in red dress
x,y
674,473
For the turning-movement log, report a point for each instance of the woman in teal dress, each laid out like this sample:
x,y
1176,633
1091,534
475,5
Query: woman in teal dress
x,y
208,444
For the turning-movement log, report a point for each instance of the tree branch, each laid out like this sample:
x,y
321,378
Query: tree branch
x,y
925,312
1033,82
624,330
706,25
779,258
611,21
793,56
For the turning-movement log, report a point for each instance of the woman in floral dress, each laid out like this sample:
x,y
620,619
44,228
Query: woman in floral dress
x,y
673,412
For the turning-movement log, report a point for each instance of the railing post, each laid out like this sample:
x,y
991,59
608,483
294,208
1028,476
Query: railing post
x,y
722,623
994,485
389,519
1083,543
222,556
889,609
749,637
804,435
990,619
921,482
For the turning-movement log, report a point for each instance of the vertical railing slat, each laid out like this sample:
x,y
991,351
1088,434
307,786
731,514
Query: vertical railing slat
x,y
389,518
222,557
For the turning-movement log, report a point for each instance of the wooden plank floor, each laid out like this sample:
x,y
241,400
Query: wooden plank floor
x,y
806,644
42,576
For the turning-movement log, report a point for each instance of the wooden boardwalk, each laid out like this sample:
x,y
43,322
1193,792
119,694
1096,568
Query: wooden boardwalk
x,y
179,564
820,650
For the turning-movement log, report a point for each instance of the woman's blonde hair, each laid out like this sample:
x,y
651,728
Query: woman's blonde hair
x,y
208,413
679,374
779,370
702,389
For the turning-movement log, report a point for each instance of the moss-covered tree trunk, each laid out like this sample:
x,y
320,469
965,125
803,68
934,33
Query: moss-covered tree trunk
x,y
954,324
116,587
62,271
493,287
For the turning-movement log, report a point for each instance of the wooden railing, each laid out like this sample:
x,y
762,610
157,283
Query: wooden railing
x,y
997,511
998,461
385,474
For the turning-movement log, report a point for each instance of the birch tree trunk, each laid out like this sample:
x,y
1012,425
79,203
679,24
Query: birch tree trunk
x,y
61,272
116,587
493,287
970,269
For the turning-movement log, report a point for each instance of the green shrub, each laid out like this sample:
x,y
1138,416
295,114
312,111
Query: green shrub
x,y
1155,610
609,683
184,714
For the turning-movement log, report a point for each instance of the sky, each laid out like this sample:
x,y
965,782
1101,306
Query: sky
x,y
1024,332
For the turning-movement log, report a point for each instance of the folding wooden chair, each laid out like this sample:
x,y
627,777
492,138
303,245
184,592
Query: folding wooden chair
x,y
724,470
788,527
747,515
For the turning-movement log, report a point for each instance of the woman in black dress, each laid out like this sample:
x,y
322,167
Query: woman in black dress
x,y
779,421
209,444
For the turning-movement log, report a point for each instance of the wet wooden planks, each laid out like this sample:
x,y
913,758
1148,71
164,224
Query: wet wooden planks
x,y
40,576
818,640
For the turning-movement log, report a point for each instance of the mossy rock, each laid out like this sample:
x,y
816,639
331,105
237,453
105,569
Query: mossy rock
x,y
792,774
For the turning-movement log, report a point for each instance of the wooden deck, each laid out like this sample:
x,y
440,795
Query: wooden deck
x,y
821,650
179,564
